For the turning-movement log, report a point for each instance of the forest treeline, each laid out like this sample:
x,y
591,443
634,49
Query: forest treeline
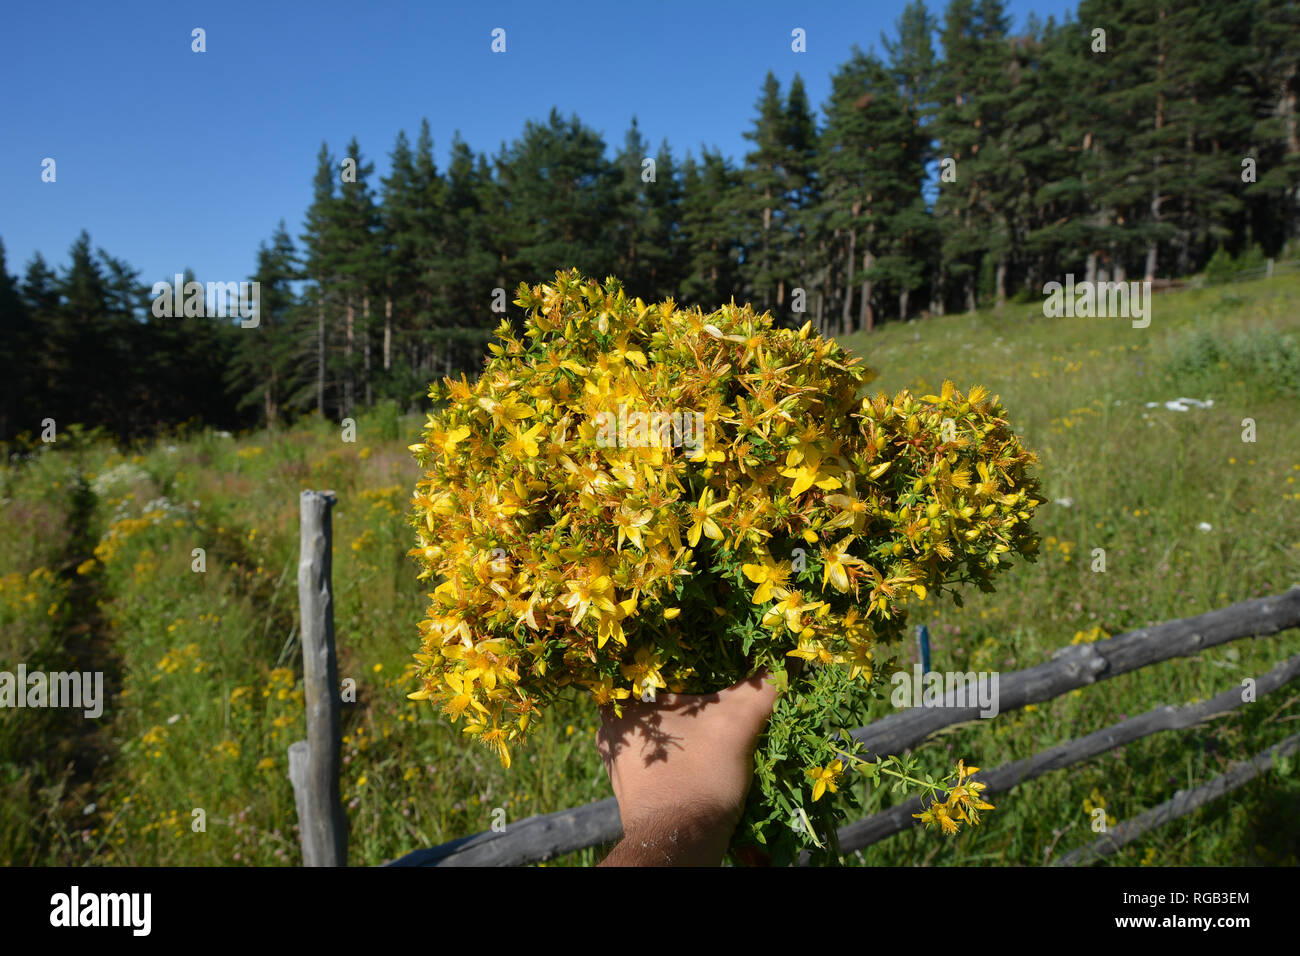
x,y
963,166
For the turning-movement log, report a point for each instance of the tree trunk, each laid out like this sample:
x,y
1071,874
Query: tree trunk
x,y
320,355
1186,231
1153,244
1287,109
822,290
866,314
388,333
847,309
365,348
348,383
766,262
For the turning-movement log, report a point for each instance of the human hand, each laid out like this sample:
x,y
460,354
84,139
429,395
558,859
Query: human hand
x,y
681,768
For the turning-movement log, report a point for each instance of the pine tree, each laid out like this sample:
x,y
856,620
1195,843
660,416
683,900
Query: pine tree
x,y
795,261
560,187
354,241
482,244
1274,82
79,338
710,233
400,242
19,345
664,252
973,136
870,174
915,68
628,227
762,199
1208,59
320,262
1064,218
268,371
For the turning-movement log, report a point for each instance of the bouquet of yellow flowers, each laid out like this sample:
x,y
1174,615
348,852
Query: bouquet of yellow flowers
x,y
634,498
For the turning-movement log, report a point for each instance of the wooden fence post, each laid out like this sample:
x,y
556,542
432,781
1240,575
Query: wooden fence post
x,y
314,764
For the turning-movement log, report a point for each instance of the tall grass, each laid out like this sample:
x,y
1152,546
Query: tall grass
x,y
99,562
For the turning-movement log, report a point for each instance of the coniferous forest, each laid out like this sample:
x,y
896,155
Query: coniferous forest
x,y
963,167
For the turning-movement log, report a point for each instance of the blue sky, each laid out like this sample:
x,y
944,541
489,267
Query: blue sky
x,y
175,159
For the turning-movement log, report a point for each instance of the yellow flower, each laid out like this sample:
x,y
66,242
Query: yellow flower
x,y
583,594
644,673
824,778
811,649
860,661
835,565
774,452
605,692
790,610
701,516
938,816
770,578
460,695
523,444
504,411
629,525
964,800
228,749
496,741
611,622
1095,801
806,472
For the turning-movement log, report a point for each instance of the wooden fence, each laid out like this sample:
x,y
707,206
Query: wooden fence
x,y
314,763
542,837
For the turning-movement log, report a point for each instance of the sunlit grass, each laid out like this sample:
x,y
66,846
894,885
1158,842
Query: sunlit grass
x,y
208,661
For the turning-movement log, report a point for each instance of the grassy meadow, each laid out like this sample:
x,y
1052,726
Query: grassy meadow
x,y
97,571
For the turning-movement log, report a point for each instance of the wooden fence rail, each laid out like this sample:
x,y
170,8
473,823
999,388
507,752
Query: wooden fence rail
x,y
1077,665
877,827
1182,803
543,837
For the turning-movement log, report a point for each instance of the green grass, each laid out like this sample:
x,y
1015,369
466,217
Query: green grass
x,y
207,665
1141,481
